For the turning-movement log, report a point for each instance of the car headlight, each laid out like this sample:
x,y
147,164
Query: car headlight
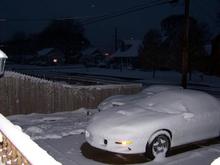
x,y
124,142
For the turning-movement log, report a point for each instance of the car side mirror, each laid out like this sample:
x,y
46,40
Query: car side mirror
x,y
3,58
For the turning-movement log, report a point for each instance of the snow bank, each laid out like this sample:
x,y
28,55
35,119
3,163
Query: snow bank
x,y
26,146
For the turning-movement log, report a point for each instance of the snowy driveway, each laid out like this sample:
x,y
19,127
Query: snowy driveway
x,y
62,135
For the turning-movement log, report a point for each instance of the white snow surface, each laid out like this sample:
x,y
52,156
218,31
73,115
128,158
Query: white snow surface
x,y
162,77
46,126
132,51
64,142
45,51
216,161
119,100
68,128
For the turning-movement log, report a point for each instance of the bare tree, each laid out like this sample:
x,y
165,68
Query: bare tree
x,y
150,51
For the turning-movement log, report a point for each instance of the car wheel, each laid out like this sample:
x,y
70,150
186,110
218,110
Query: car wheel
x,y
158,147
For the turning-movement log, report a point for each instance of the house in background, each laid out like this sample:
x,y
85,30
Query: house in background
x,y
27,58
49,56
19,52
127,54
92,56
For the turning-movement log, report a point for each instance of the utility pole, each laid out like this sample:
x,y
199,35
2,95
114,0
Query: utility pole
x,y
185,45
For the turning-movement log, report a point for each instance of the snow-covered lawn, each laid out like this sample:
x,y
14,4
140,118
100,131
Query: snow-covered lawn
x,y
165,77
62,135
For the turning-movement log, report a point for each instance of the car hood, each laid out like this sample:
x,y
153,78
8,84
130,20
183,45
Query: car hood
x,y
120,100
124,118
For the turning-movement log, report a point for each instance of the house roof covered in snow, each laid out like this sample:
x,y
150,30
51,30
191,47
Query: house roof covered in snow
x,y
131,49
45,51
89,50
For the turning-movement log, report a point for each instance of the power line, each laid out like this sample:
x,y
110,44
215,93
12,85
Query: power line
x,y
90,19
118,11
126,11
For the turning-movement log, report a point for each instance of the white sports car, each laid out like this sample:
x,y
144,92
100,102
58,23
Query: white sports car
x,y
154,124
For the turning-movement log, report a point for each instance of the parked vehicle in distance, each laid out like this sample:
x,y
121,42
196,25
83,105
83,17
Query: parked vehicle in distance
x,y
154,123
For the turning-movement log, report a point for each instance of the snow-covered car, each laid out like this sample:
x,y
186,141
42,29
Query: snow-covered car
x,y
118,100
153,125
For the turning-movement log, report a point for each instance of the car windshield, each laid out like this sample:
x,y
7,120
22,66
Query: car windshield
x,y
160,88
172,108
165,103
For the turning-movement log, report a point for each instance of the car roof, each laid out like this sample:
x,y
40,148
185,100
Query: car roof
x,y
160,88
181,100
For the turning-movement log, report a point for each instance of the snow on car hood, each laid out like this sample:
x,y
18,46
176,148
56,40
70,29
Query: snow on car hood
x,y
123,118
119,100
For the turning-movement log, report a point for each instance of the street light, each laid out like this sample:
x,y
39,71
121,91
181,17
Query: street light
x,y
3,58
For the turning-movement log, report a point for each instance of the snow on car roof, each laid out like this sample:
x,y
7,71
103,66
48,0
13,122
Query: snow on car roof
x,y
198,101
179,101
160,88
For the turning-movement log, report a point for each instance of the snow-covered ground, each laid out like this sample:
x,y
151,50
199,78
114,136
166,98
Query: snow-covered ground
x,y
62,135
165,77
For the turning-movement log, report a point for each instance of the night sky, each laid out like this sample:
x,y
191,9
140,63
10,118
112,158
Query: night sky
x,y
133,25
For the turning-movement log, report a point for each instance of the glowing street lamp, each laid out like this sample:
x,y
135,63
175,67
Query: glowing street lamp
x,y
3,58
55,60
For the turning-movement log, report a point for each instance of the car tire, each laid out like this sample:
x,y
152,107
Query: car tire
x,y
159,146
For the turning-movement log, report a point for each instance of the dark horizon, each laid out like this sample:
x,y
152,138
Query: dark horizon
x,y
101,34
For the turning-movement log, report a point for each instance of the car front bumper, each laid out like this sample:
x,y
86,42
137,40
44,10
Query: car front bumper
x,y
109,144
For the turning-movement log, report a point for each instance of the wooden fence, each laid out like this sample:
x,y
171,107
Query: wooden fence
x,y
21,94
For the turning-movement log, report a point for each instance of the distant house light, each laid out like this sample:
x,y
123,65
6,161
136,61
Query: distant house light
x,y
3,58
106,54
55,60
